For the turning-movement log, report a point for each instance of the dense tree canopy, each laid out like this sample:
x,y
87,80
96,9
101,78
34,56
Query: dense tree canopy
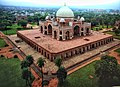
x,y
23,23
106,70
29,59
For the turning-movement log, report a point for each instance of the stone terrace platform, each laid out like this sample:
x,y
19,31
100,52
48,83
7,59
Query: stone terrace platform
x,y
55,46
50,66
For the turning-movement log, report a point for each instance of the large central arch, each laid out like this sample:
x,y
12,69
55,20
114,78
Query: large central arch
x,y
76,30
49,29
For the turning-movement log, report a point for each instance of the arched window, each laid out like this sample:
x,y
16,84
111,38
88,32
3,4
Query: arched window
x,y
82,29
60,32
76,30
49,29
45,27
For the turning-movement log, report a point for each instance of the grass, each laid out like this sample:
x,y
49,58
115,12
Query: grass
x,y
117,50
33,23
13,29
2,43
112,33
100,27
81,78
10,73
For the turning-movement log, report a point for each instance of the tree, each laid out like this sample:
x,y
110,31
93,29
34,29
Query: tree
x,y
40,63
24,64
30,19
58,62
29,59
23,23
26,75
61,75
4,25
106,70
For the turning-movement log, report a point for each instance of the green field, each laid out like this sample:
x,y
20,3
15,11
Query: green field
x,y
10,73
33,23
117,50
81,78
100,27
2,43
13,29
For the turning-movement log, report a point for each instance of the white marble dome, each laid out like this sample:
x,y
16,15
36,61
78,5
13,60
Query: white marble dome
x,y
65,12
82,19
47,17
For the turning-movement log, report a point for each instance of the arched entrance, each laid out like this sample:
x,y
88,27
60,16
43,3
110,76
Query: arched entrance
x,y
55,34
76,30
41,29
87,30
49,29
67,35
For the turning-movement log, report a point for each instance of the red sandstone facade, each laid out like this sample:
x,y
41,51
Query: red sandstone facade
x,y
74,36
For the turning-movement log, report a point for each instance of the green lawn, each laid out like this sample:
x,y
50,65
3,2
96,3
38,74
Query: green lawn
x,y
117,50
100,27
112,33
33,23
81,77
10,73
13,29
2,43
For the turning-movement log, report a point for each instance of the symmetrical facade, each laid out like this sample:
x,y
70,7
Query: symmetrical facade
x,y
64,26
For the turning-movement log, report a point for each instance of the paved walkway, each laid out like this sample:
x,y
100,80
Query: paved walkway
x,y
90,54
115,54
82,64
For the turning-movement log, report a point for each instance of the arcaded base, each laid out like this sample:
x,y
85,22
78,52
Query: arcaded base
x,y
51,48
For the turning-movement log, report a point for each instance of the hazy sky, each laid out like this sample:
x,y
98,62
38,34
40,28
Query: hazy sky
x,y
78,3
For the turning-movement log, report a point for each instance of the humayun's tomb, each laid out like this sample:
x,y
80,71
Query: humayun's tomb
x,y
64,36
